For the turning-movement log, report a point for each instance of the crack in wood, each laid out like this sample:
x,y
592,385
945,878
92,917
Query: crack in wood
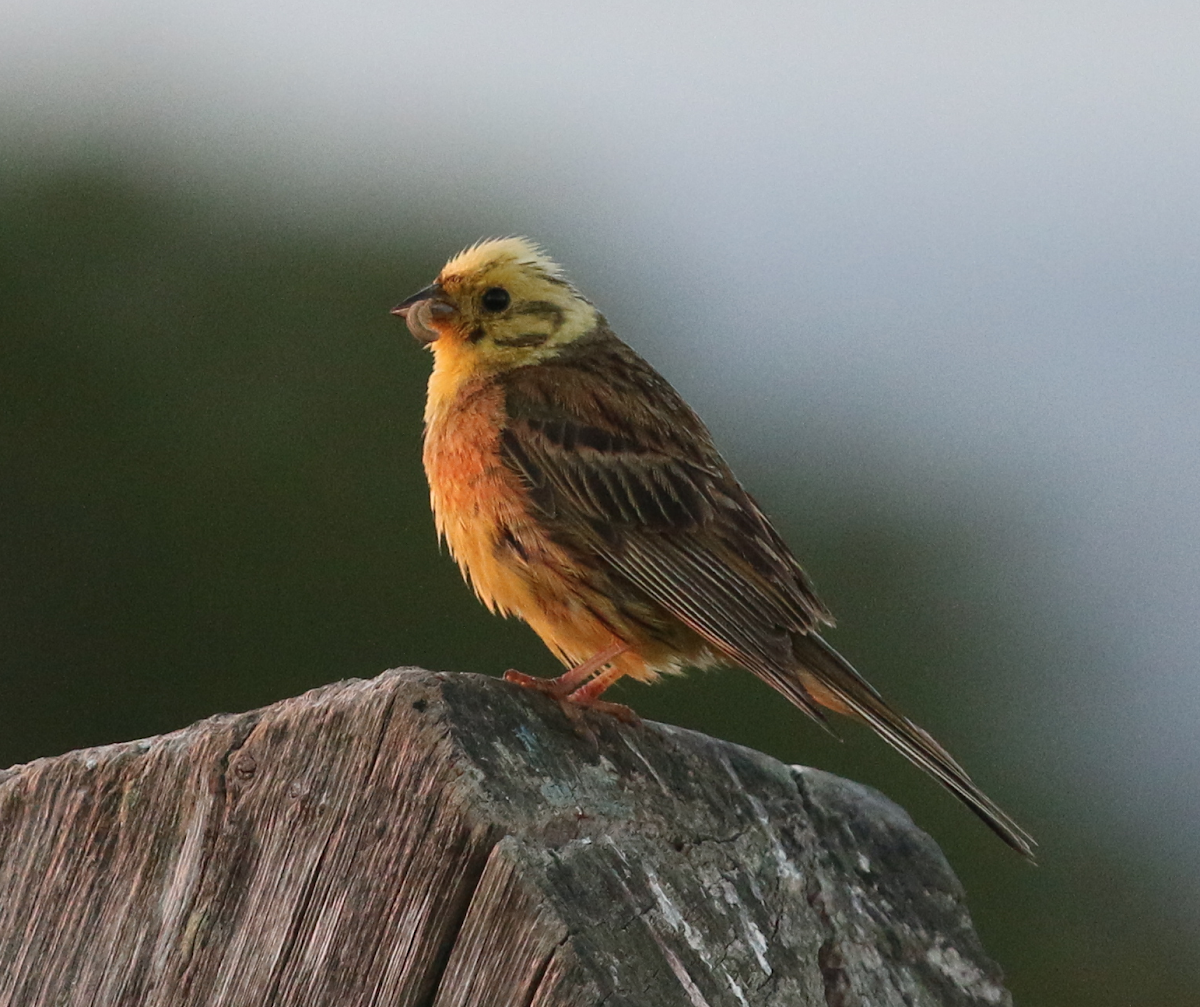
x,y
242,728
300,914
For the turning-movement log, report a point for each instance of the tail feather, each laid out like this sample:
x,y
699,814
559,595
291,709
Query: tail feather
x,y
832,677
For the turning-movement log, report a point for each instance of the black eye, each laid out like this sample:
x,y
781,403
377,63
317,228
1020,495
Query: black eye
x,y
495,299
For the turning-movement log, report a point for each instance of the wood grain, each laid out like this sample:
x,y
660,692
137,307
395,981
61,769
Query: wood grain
x,y
446,840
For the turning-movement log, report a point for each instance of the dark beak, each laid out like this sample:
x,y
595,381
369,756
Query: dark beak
x,y
423,309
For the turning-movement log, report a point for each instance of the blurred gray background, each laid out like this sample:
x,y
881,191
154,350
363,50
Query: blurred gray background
x,y
928,270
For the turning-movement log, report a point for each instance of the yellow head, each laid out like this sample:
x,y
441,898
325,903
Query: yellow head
x,y
499,304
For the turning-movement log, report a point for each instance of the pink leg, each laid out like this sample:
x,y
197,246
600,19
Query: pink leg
x,y
589,695
569,681
572,687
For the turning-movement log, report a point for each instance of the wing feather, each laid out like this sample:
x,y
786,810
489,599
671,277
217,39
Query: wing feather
x,y
620,468
647,489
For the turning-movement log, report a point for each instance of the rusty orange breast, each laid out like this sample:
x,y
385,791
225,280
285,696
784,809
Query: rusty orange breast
x,y
474,496
482,511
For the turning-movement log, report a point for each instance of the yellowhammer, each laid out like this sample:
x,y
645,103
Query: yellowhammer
x,y
577,490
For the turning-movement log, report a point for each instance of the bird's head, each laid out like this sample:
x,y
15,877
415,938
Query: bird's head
x,y
501,303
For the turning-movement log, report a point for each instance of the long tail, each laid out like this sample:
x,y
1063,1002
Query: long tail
x,y
827,677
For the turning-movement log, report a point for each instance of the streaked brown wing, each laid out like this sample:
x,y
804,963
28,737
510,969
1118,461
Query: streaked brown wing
x,y
622,469
619,465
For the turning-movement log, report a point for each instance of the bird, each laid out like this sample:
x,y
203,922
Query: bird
x,y
577,490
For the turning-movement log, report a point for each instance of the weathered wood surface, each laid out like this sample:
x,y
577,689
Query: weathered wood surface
x,y
447,840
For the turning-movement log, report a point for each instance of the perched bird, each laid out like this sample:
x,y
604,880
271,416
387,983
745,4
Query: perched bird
x,y
577,490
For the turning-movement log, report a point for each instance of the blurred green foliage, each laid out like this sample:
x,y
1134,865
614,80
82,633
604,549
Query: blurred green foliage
x,y
211,498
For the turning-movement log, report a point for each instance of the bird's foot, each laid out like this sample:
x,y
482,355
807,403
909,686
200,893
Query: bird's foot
x,y
571,698
552,687
625,714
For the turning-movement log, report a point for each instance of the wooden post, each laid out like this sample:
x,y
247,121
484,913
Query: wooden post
x,y
448,840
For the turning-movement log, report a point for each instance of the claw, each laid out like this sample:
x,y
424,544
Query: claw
x,y
625,714
571,698
549,686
